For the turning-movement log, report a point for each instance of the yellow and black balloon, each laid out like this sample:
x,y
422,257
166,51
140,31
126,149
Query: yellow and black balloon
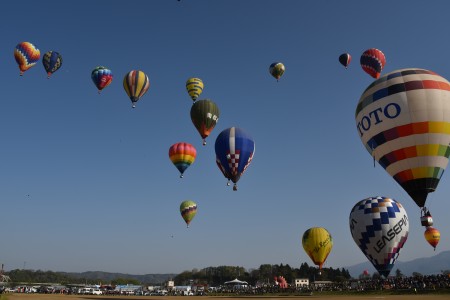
x,y
194,87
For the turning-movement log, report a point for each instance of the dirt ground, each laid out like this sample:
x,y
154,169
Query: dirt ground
x,y
72,297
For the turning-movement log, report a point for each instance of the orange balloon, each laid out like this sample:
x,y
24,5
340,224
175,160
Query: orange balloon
x,y
432,235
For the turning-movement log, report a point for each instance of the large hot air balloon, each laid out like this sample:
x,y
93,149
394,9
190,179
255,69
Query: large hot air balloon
x,y
52,61
26,55
234,153
372,62
101,77
380,227
317,243
205,115
277,70
188,210
194,86
345,59
432,235
402,121
182,156
136,84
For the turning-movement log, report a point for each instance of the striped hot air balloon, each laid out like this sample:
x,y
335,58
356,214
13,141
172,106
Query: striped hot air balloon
x,y
345,59
182,156
136,84
194,87
26,55
188,210
402,119
372,62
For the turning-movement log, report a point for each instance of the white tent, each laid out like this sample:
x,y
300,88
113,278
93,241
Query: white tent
x,y
236,282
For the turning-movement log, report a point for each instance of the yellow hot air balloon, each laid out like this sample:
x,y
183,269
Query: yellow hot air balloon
x,y
194,87
432,235
317,243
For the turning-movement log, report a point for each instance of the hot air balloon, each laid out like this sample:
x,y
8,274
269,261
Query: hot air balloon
x,y
101,77
317,243
188,210
372,62
204,115
52,61
432,235
277,70
26,55
401,121
380,227
234,153
136,84
194,86
345,59
182,156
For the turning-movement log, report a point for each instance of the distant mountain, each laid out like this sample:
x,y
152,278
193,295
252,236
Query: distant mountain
x,y
425,266
106,277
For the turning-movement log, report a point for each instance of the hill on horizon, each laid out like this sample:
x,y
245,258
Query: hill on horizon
x,y
107,277
425,266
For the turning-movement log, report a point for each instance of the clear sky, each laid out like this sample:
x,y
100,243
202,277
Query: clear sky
x,y
86,183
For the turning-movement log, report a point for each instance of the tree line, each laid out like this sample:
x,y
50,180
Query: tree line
x,y
211,276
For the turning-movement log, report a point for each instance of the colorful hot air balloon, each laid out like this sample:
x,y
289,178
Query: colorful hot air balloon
x,y
204,115
52,61
234,153
432,235
188,210
345,59
373,61
194,86
136,84
182,156
26,55
380,227
101,77
277,70
401,121
317,243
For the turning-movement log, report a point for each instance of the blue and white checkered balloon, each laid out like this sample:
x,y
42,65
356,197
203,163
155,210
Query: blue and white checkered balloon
x,y
380,227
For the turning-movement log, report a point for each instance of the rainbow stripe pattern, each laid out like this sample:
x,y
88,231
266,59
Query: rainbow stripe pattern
x,y
403,120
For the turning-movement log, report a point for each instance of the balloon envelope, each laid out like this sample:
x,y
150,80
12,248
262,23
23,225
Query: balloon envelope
x,y
379,227
182,156
433,236
26,55
188,210
402,121
372,62
317,243
102,77
136,84
234,153
204,115
52,61
277,70
194,86
345,59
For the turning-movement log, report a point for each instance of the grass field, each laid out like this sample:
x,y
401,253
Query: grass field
x,y
325,297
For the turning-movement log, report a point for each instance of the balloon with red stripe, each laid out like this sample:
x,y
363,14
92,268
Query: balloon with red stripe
x,y
403,120
372,62
136,84
182,156
26,55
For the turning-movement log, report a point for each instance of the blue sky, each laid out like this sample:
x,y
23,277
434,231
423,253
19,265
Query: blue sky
x,y
86,183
